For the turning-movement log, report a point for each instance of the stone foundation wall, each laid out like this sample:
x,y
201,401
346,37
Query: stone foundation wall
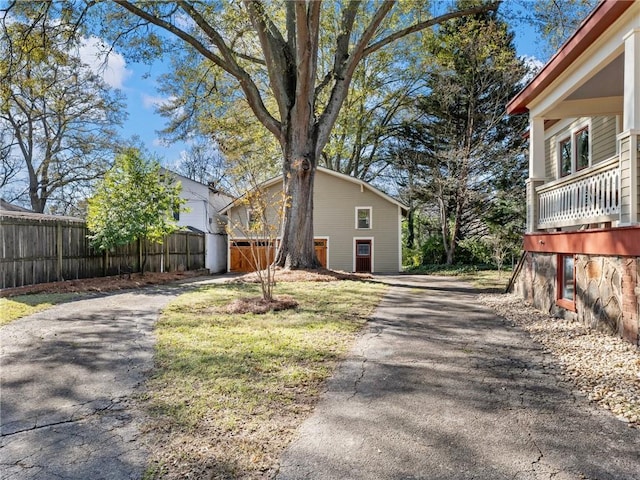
x,y
606,291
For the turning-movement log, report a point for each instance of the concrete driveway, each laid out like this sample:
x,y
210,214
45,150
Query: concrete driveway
x,y
440,388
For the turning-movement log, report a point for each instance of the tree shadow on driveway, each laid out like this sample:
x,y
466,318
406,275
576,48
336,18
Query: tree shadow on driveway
x,y
67,377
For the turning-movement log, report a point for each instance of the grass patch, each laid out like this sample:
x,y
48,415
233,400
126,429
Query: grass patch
x,y
490,281
486,279
229,390
20,306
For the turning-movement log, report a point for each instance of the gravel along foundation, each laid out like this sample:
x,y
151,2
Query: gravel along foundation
x,y
603,367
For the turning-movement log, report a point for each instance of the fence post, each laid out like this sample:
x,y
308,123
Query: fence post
x,y
188,253
140,254
166,253
59,251
105,262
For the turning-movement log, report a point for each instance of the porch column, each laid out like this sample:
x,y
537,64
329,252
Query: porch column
x,y
536,170
628,138
631,114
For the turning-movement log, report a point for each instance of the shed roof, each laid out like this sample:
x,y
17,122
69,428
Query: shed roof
x,y
343,176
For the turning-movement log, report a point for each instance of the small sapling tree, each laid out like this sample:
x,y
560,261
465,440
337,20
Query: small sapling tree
x,y
136,200
258,219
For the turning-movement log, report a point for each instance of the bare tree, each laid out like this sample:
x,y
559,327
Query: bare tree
x,y
59,117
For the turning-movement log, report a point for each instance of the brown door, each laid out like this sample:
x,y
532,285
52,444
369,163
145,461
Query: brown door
x,y
321,251
245,253
363,255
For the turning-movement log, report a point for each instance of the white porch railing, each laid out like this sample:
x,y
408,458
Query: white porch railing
x,y
590,196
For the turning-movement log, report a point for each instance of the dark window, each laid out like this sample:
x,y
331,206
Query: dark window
x,y
566,282
567,278
582,149
364,217
565,157
364,249
574,152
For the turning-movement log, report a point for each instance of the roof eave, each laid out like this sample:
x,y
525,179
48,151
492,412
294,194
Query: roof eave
x,y
599,20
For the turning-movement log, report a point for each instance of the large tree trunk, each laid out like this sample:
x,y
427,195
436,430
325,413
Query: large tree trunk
x,y
297,248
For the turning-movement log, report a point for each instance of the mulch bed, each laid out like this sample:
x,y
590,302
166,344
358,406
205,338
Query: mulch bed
x,y
137,280
103,284
259,306
319,275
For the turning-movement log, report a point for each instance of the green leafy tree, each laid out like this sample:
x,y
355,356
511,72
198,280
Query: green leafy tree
x,y
271,51
556,20
58,118
134,201
461,135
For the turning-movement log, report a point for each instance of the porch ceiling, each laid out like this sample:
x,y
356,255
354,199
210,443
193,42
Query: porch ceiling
x,y
608,82
601,94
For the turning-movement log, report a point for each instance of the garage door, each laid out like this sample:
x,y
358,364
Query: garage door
x,y
244,255
243,259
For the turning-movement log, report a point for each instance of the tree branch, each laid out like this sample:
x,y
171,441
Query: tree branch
x,y
429,23
226,62
277,55
345,74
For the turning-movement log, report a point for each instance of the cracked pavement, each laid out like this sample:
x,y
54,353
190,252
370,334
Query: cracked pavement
x,y
439,387
66,380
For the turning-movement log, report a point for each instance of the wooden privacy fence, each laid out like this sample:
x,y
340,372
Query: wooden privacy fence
x,y
44,248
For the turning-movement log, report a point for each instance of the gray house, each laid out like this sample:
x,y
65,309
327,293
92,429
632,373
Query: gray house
x,y
357,228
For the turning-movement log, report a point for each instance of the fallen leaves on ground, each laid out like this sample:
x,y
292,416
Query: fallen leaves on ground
x,y
103,284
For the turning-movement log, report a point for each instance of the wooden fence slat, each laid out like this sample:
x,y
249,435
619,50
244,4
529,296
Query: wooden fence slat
x,y
43,250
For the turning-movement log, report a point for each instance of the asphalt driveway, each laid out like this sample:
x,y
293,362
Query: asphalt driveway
x,y
437,388
441,388
66,380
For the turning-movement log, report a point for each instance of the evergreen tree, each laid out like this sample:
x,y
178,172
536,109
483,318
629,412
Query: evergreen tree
x,y
463,139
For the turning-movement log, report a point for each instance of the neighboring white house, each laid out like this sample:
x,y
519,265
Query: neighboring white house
x,y
204,203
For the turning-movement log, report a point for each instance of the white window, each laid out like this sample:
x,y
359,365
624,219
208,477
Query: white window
x,y
363,218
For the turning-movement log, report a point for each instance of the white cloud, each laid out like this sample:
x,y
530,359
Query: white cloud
x,y
159,142
114,71
184,22
534,65
151,101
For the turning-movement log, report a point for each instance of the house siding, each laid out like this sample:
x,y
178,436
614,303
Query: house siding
x,y
334,217
238,216
603,142
202,214
550,163
335,201
625,180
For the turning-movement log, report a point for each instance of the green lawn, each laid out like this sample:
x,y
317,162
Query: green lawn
x,y
229,390
485,280
20,306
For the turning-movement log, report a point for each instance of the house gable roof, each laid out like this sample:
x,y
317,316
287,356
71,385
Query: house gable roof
x,y
10,207
211,188
598,21
342,176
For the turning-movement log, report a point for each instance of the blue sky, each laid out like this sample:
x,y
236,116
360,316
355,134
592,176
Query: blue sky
x,y
138,83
